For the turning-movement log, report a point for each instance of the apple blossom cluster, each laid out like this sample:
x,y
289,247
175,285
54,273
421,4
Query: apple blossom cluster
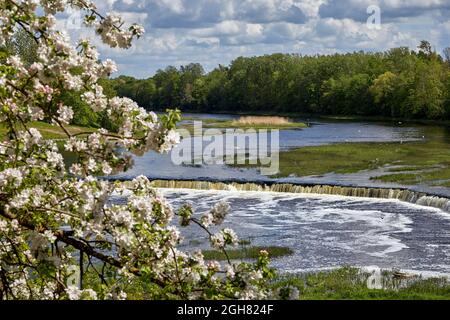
x,y
223,238
216,215
56,221
110,34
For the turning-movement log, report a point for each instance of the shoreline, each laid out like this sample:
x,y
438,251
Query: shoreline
x,y
338,118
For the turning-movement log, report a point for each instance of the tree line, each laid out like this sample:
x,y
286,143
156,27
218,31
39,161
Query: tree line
x,y
398,83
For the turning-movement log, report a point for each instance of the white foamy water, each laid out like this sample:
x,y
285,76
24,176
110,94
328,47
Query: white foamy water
x,y
330,231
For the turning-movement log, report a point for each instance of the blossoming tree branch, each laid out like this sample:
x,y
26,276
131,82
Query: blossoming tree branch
x,y
57,221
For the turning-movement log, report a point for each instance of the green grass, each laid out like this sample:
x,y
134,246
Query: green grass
x,y
351,284
345,283
247,253
49,131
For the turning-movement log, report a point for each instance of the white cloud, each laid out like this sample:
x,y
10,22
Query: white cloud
x,y
217,31
254,29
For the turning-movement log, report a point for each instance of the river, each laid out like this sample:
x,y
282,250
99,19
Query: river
x,y
329,231
324,231
157,166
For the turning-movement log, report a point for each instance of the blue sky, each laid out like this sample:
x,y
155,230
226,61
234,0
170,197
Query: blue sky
x,y
214,32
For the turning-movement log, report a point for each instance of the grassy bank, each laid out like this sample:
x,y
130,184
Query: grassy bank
x,y
352,284
340,284
49,131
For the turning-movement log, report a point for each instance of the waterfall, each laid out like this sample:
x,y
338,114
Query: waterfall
x,y
414,197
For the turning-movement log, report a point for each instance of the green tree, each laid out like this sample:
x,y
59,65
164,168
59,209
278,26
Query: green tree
x,y
428,94
384,91
189,75
446,53
348,95
167,82
23,45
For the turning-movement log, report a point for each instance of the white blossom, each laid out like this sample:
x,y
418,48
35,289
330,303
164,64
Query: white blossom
x,y
50,236
65,114
55,158
172,138
106,168
109,66
218,241
219,212
213,266
74,293
230,272
10,176
206,220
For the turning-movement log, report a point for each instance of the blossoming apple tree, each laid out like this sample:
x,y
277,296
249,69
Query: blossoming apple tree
x,y
57,221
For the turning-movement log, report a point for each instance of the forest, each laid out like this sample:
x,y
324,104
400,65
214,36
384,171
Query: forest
x,y
398,83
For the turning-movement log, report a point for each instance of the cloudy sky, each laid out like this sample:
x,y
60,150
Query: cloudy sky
x,y
214,32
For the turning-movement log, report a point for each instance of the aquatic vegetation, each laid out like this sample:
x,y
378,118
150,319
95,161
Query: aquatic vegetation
x,y
261,121
415,162
354,157
432,176
404,178
248,122
247,253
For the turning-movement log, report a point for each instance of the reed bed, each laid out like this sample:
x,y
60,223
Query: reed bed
x,y
261,120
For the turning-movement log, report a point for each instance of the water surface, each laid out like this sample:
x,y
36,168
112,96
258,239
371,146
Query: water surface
x,y
330,231
158,166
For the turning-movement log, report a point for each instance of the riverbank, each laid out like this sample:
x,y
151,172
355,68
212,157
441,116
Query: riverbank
x,y
49,131
345,283
356,284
